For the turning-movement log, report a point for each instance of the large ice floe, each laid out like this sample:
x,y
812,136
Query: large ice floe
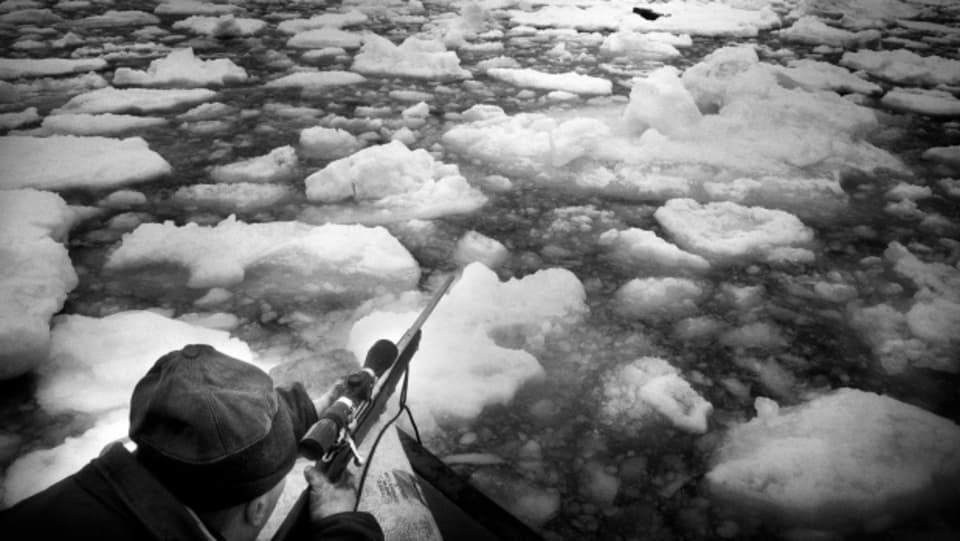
x,y
282,259
105,357
647,391
848,459
35,274
67,161
569,82
460,368
415,57
904,67
181,68
391,182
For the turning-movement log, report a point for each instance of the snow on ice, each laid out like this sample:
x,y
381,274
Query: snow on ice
x,y
839,460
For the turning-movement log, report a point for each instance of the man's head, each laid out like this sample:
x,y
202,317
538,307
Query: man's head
x,y
212,429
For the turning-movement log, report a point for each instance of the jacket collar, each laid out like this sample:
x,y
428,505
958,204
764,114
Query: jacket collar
x,y
153,505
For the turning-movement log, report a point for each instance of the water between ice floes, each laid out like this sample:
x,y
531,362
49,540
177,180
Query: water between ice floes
x,y
662,466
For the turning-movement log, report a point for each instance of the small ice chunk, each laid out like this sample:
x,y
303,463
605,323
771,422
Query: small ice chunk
x,y
652,299
946,155
123,199
193,7
17,68
327,143
814,31
815,75
725,231
105,124
937,103
641,248
426,59
233,197
474,246
276,166
66,161
329,19
905,190
21,118
316,79
760,334
182,69
836,459
135,100
652,46
394,175
319,38
224,26
660,101
570,82
648,389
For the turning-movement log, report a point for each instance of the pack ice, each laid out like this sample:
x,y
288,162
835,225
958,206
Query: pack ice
x,y
844,460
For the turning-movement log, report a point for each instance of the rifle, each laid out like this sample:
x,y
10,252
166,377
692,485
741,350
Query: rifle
x,y
334,440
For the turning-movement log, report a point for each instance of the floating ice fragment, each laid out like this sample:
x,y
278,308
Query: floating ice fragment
x,y
570,82
660,101
234,197
727,231
316,79
814,31
16,68
102,124
412,58
182,69
66,161
642,249
325,37
937,103
837,461
652,299
278,165
282,258
904,67
134,100
35,275
327,143
474,246
224,26
946,155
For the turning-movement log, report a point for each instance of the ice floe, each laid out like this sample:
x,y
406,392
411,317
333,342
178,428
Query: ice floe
x,y
904,67
67,161
937,103
725,231
87,124
181,68
35,275
650,390
655,299
644,251
459,367
837,461
276,166
316,79
221,27
16,68
570,82
135,100
814,31
391,176
327,143
816,75
476,247
282,259
325,37
193,7
425,59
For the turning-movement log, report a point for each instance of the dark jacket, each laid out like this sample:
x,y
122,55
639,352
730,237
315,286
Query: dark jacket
x,y
114,497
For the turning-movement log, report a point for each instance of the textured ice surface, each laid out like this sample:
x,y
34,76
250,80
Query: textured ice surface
x,y
460,368
838,460
325,37
135,100
87,124
35,275
904,67
327,143
181,68
425,59
278,165
726,231
937,103
652,299
316,79
221,27
642,249
279,258
814,31
67,161
649,390
570,82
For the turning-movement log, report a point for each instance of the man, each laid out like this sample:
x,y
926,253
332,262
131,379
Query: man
x,y
215,441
